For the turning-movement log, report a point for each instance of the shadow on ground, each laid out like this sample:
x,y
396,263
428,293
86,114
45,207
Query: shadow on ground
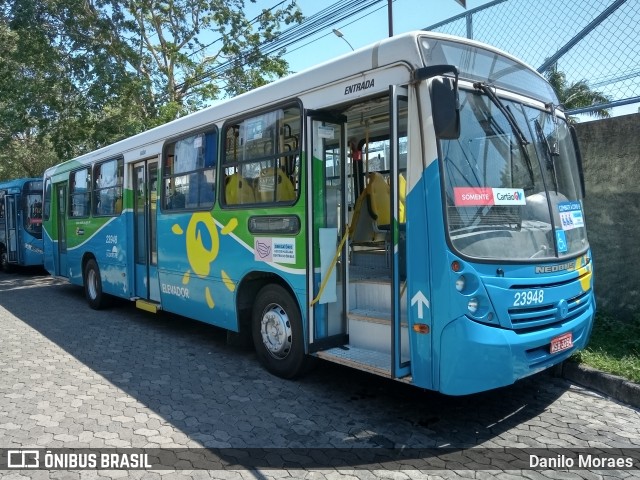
x,y
185,372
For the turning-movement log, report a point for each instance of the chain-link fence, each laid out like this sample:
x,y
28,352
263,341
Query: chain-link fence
x,y
595,41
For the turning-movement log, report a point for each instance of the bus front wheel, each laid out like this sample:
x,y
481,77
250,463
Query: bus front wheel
x,y
93,286
277,332
4,261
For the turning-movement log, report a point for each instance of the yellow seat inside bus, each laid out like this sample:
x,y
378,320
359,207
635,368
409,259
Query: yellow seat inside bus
x,y
370,222
238,191
271,180
402,198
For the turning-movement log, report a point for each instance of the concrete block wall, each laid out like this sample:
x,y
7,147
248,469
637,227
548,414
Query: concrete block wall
x,y
611,160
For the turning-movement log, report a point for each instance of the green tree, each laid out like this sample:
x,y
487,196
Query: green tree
x,y
80,74
58,87
577,94
186,53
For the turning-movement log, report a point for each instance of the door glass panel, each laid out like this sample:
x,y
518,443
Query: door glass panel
x,y
153,201
139,212
62,213
328,214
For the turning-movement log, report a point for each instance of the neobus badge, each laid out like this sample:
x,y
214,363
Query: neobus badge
x,y
569,266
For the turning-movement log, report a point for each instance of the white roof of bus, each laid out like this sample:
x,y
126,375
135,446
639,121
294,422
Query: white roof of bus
x,y
384,52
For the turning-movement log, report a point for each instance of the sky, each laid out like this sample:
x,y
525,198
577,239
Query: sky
x,y
407,15
372,25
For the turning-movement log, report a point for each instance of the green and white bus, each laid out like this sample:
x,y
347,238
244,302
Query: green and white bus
x,y
411,209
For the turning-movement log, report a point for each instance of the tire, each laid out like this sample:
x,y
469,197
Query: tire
x,y
277,332
96,298
4,261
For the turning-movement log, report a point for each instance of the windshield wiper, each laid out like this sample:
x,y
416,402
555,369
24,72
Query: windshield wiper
x,y
548,153
513,123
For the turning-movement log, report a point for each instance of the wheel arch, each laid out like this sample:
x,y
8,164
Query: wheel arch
x,y
85,259
247,290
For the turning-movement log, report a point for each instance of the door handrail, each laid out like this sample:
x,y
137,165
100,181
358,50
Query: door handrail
x,y
331,267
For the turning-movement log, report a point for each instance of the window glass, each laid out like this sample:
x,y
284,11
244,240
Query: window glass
x,y
47,198
107,188
507,199
32,198
262,158
189,172
80,192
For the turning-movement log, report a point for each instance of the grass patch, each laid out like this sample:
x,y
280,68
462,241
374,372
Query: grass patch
x,y
614,347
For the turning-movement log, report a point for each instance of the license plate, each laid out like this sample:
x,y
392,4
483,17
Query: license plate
x,y
562,342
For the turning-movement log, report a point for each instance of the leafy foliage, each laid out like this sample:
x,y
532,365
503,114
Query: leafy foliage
x,y
76,75
577,94
614,346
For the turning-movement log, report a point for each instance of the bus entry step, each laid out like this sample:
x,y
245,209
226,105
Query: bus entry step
x,y
147,306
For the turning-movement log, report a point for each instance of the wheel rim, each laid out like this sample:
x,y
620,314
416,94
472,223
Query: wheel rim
x,y
275,329
92,284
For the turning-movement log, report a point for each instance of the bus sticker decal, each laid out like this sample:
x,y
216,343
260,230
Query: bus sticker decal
x,y
485,196
278,250
470,196
509,196
92,235
174,290
203,244
570,215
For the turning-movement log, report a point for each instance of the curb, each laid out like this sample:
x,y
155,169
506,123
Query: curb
x,y
611,385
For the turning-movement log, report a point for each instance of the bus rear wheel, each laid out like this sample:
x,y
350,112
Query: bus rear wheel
x,y
93,286
277,332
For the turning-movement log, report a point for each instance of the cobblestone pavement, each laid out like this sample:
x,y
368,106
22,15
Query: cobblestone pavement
x,y
74,377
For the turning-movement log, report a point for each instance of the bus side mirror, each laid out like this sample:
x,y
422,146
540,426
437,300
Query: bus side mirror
x,y
445,107
574,137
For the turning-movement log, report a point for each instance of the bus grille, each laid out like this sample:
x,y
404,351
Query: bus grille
x,y
534,318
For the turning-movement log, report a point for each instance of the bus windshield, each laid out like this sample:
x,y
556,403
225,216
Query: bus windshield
x,y
32,205
511,183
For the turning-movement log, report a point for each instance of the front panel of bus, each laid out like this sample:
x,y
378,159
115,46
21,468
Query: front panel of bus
x,y
511,270
31,218
21,223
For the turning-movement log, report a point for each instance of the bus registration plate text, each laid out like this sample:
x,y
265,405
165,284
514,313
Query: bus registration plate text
x,y
562,342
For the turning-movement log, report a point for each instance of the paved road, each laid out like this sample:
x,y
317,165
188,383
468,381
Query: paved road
x,y
73,377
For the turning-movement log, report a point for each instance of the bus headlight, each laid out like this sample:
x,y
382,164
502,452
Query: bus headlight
x,y
473,305
460,283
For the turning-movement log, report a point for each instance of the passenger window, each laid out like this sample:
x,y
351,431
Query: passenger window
x,y
189,175
107,188
262,159
80,192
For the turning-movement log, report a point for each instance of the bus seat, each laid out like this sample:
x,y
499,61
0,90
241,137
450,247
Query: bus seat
x,y
118,206
402,198
238,191
361,230
378,201
285,192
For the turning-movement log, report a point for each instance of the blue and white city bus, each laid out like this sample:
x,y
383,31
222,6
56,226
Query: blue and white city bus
x,y
412,209
20,223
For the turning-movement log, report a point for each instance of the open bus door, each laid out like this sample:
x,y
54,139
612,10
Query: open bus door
x,y
359,307
398,109
327,260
